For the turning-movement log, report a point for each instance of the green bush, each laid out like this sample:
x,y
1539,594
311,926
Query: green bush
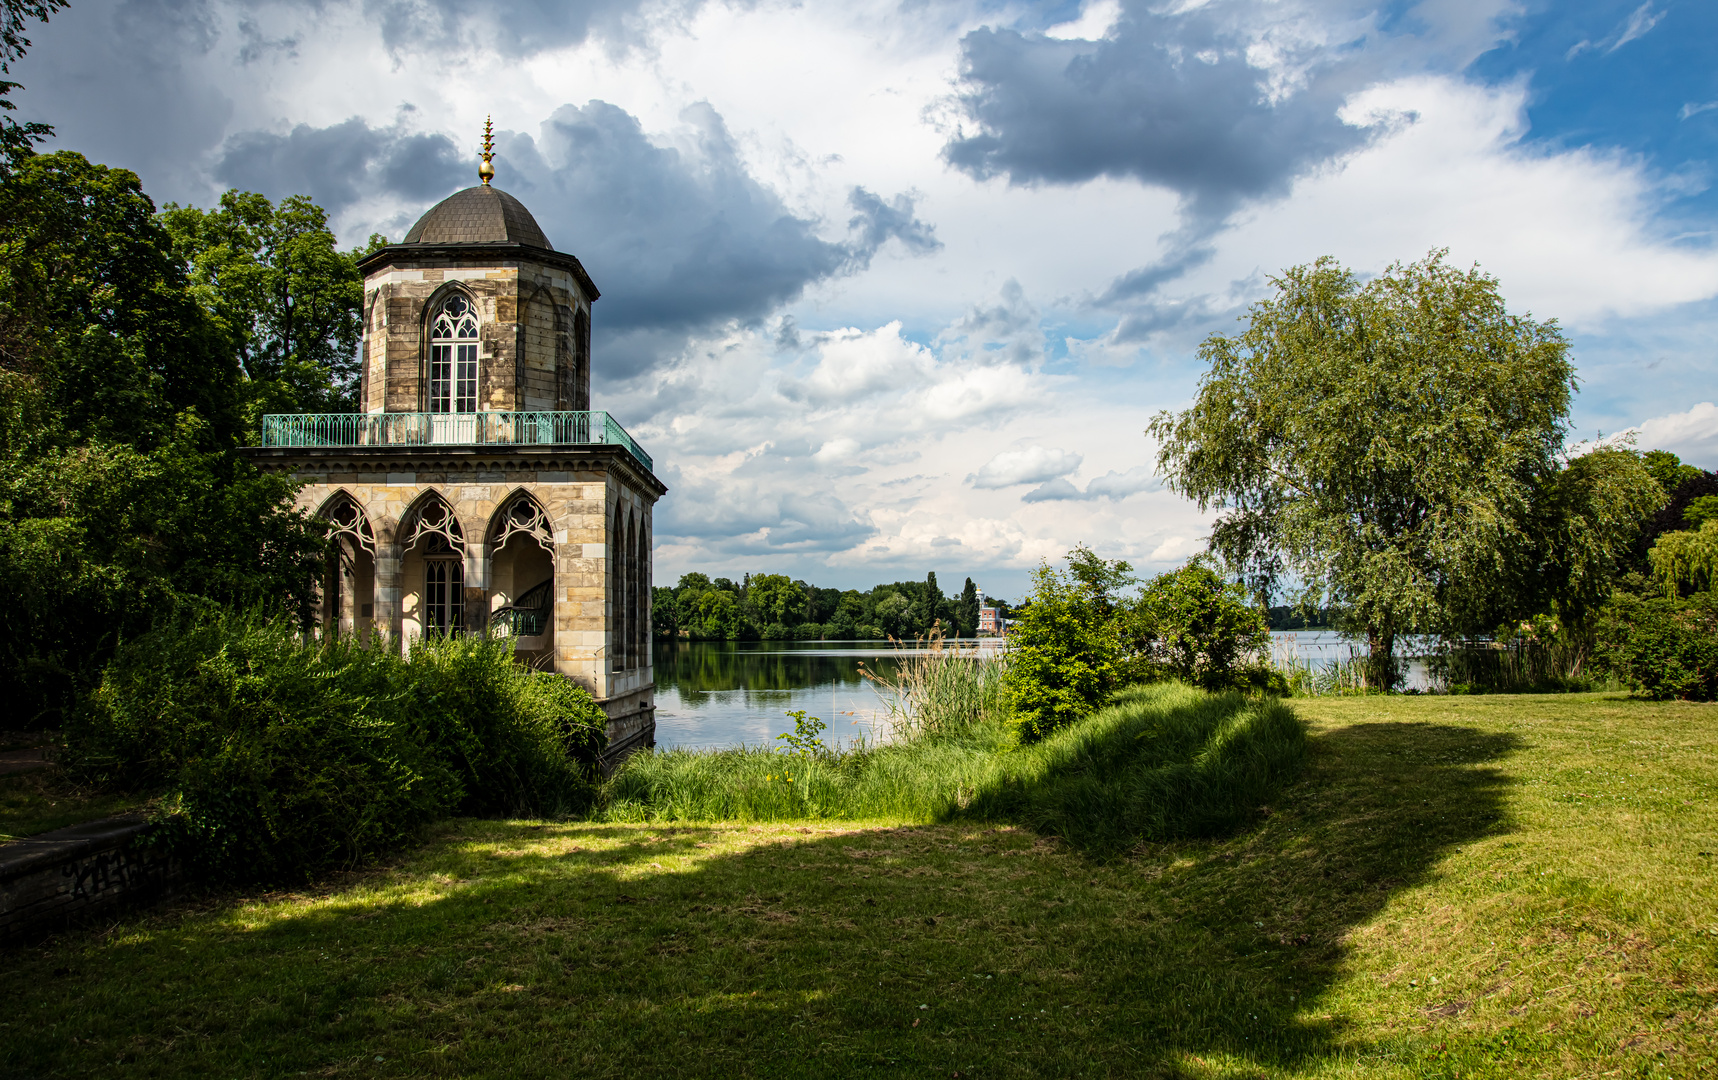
x,y
275,758
1190,624
1062,652
1663,647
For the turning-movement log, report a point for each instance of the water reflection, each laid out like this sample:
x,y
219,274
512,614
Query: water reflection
x,y
719,693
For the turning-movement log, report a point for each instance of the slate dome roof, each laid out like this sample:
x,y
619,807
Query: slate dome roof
x,y
478,215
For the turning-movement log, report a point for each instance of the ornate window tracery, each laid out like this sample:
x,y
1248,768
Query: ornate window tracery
x,y
444,587
524,515
346,520
436,518
453,356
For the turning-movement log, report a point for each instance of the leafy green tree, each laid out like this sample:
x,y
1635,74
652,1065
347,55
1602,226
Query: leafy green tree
x,y
97,313
966,612
1385,443
891,613
776,598
1193,625
1700,510
719,616
99,541
1668,470
18,141
291,302
664,612
1063,651
1583,522
1687,561
122,500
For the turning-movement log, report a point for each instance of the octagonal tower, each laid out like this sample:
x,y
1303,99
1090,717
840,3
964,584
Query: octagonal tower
x,y
475,489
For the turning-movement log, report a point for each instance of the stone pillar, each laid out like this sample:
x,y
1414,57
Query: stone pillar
x,y
388,587
477,566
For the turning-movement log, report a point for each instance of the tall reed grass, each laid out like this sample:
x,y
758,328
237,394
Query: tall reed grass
x,y
1523,667
939,689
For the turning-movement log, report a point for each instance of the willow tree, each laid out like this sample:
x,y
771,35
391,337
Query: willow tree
x,y
1393,446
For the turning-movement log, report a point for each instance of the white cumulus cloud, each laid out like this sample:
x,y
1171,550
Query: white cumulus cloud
x,y
1033,465
1691,435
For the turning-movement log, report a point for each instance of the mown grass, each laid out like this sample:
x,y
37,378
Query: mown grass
x,y
1472,887
1163,761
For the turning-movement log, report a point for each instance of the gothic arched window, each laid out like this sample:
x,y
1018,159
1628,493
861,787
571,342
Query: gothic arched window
x,y
453,357
444,587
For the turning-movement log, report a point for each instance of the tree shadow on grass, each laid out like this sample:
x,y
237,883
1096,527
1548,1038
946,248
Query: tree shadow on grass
x,y
975,949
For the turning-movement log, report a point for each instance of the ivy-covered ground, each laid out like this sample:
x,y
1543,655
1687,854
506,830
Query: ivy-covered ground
x,y
1489,886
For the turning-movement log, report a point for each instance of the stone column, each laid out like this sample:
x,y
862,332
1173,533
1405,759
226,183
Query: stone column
x,y
477,567
388,586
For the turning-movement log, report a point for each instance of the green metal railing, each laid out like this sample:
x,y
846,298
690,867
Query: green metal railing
x,y
449,429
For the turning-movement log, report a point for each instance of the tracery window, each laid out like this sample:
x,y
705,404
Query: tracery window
x,y
444,587
453,357
524,516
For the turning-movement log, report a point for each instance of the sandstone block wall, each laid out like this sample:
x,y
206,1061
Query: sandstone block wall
x,y
585,498
533,345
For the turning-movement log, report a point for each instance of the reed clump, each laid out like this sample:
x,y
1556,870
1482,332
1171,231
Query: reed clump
x,y
939,689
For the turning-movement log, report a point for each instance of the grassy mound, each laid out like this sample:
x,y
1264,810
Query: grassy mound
x,y
1163,761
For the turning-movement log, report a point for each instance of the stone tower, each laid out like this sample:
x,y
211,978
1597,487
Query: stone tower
x,y
475,489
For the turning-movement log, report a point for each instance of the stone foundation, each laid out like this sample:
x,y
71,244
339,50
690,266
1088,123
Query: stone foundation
x,y
631,723
63,878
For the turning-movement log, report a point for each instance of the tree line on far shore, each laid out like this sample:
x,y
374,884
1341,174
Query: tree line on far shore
x,y
775,607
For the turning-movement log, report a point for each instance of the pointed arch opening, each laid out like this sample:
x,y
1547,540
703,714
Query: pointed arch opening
x,y
348,599
453,336
433,568
522,572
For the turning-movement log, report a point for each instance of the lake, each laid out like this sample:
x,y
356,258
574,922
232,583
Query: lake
x,y
725,693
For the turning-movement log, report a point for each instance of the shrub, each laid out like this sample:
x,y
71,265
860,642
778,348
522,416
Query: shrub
x,y
276,758
1190,624
1662,646
1062,653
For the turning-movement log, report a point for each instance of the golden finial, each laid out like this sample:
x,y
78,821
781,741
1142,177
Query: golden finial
x,y
486,171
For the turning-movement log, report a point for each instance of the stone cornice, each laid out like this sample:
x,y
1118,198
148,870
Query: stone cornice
x,y
433,256
384,459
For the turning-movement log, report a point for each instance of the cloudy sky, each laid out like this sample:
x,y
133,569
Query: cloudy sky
x,y
895,286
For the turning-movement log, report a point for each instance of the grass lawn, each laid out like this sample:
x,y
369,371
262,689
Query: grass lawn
x,y
1482,886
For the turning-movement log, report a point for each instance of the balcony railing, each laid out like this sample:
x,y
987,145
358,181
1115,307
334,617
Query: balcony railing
x,y
449,429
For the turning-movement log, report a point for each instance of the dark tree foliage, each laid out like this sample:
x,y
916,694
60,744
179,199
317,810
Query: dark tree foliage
x,y
1684,485
122,497
94,307
290,301
966,610
775,607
